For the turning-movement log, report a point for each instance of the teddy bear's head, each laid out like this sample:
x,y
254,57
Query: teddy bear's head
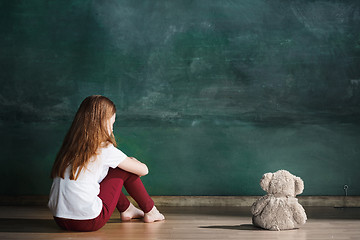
x,y
282,184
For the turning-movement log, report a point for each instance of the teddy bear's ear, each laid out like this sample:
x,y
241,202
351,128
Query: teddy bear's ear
x,y
299,185
265,181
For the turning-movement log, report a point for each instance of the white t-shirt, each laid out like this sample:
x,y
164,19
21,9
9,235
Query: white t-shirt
x,y
78,199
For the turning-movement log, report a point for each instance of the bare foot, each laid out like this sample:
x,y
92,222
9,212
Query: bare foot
x,y
130,213
153,216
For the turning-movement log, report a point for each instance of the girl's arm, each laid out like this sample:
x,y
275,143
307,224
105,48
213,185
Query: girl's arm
x,y
133,165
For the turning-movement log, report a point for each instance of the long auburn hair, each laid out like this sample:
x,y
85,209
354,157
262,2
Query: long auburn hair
x,y
88,131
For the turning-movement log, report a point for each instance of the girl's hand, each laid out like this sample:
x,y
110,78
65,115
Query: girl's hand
x,y
133,165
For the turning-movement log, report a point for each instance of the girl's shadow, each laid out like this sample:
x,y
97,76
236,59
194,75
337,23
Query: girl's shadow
x,y
28,225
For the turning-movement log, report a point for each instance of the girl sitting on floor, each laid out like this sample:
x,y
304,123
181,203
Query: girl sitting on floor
x,y
89,173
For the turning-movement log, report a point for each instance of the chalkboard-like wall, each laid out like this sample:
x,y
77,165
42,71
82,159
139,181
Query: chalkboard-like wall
x,y
210,94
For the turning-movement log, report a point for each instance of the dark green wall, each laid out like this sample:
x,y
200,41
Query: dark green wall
x,y
210,94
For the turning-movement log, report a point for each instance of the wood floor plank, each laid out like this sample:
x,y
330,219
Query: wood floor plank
x,y
184,223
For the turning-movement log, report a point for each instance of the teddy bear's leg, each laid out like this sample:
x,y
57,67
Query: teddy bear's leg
x,y
274,228
256,220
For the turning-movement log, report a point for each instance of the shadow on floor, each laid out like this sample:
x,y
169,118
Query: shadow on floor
x,y
235,227
28,225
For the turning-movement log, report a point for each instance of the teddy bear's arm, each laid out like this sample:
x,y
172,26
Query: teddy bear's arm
x,y
259,205
299,214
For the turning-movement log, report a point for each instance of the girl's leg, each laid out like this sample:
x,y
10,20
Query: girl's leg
x,y
137,191
127,210
123,203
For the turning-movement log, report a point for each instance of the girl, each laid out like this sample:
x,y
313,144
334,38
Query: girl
x,y
89,172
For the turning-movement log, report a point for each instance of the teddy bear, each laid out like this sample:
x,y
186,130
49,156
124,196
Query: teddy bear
x,y
279,209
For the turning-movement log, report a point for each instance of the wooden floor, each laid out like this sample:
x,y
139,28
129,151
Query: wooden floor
x,y
184,223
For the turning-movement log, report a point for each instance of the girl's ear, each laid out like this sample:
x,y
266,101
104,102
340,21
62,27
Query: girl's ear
x,y
265,181
299,185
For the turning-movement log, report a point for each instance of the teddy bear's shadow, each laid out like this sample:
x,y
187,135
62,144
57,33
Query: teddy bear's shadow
x,y
235,227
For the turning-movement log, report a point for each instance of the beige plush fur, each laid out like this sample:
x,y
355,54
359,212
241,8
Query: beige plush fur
x,y
279,209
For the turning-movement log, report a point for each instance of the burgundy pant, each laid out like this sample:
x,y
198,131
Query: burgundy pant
x,y
112,196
